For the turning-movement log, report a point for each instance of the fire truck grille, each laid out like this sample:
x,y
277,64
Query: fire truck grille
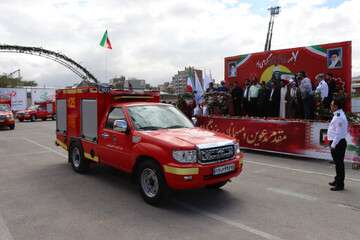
x,y
216,154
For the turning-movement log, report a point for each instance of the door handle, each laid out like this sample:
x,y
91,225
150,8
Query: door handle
x,y
105,135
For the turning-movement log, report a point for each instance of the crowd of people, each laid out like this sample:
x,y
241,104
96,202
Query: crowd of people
x,y
292,97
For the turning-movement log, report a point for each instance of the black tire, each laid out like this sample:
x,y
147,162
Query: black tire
x,y
12,127
21,120
53,117
33,118
76,157
44,119
152,184
217,185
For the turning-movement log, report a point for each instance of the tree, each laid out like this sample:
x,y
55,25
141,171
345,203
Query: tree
x,y
11,82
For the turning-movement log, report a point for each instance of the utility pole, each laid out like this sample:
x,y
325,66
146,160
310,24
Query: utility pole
x,y
273,11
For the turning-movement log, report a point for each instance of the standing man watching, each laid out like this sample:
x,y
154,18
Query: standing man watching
x,y
336,134
246,98
254,93
322,89
237,94
306,94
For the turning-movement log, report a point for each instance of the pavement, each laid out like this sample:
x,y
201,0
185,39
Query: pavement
x,y
275,197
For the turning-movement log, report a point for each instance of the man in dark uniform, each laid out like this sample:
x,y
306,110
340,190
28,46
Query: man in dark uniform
x,y
237,94
336,134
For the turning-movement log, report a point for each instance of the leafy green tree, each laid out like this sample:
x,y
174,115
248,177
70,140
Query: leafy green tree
x,y
11,82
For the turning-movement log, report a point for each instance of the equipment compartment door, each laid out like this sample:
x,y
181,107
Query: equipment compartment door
x,y
61,115
89,122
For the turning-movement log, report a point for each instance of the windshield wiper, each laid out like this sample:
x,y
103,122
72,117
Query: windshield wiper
x,y
149,128
176,126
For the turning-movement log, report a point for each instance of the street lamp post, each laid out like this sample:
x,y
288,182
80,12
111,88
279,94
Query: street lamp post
x,y
273,11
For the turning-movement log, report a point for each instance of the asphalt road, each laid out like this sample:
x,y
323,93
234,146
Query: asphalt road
x,y
274,198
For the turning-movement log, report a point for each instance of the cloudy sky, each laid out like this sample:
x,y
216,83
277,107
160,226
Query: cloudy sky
x,y
152,39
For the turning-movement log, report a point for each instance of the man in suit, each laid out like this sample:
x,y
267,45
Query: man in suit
x,y
237,94
246,97
306,94
274,100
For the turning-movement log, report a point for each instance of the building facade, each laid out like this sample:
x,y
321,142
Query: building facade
x,y
179,80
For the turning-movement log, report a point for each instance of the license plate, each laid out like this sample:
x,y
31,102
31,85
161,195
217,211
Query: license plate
x,y
224,169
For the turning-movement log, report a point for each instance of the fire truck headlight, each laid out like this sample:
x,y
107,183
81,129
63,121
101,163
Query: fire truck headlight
x,y
188,156
237,148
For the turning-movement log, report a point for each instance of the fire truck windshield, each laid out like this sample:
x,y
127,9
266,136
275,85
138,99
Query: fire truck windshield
x,y
153,117
33,107
4,107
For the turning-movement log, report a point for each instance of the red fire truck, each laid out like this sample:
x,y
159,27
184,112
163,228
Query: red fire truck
x,y
137,134
40,110
6,115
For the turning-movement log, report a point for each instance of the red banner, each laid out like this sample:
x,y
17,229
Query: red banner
x,y
274,135
303,138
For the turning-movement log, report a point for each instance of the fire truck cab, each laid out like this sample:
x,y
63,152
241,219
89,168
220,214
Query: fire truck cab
x,y
6,115
40,110
137,134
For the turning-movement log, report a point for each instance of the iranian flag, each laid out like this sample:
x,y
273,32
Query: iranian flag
x,y
105,41
189,85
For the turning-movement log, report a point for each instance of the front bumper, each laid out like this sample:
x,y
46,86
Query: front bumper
x,y
193,176
23,117
7,122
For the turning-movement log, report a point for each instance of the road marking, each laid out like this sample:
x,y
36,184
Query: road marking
x,y
230,222
46,147
298,170
4,230
292,194
24,154
356,208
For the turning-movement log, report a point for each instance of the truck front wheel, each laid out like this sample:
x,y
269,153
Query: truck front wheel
x,y
77,159
152,185
12,127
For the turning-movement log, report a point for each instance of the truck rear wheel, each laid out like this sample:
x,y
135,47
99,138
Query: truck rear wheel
x,y
77,159
152,185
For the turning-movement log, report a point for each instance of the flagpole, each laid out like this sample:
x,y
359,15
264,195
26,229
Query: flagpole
x,y
106,66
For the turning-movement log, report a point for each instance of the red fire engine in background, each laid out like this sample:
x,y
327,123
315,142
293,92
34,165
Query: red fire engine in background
x,y
6,115
135,133
40,110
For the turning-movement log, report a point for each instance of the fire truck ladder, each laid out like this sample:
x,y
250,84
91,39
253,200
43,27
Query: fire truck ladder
x,y
67,62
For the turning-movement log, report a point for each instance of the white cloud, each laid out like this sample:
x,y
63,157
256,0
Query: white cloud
x,y
154,39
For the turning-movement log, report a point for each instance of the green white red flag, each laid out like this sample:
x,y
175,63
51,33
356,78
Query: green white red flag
x,y
105,41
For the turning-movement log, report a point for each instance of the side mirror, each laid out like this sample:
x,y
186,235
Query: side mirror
x,y
121,126
194,120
